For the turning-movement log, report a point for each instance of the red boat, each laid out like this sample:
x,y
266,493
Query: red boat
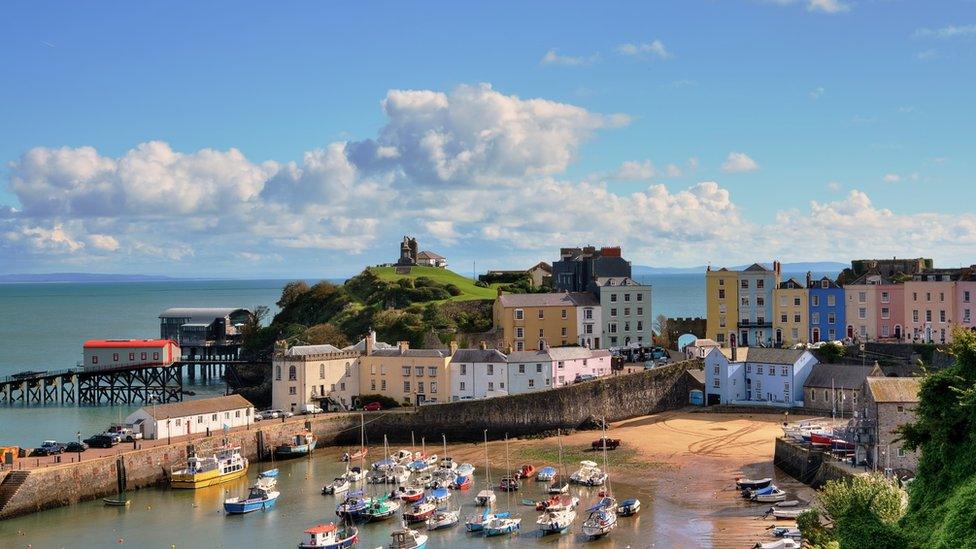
x,y
820,439
508,484
544,504
353,456
410,495
420,512
526,471
462,483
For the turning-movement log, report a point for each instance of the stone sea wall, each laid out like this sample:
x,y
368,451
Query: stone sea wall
x,y
809,465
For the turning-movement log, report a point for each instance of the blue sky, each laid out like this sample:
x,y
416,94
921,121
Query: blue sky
x,y
845,128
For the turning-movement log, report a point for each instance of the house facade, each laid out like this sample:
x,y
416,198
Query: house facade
x,y
108,354
626,309
757,375
888,403
791,309
192,416
835,388
827,315
890,311
722,306
756,285
862,309
589,326
478,373
322,375
530,322
409,376
930,301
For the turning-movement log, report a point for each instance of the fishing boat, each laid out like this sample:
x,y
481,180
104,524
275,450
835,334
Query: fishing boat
x,y
628,507
462,483
508,484
301,444
337,486
443,519
405,538
465,470
409,494
556,521
752,484
775,495
381,508
525,471
499,526
353,506
439,495
355,474
784,543
546,474
419,512
225,465
262,495
330,536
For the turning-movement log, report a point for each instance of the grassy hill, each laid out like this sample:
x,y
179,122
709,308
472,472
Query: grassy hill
x,y
469,290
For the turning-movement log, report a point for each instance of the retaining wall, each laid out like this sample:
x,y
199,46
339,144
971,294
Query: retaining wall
x,y
809,465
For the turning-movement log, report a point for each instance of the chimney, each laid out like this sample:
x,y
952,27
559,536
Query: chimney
x,y
403,345
776,267
370,342
454,347
483,345
809,279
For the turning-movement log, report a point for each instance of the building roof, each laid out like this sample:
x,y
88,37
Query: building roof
x,y
837,376
766,355
198,407
791,284
127,343
306,350
704,343
575,353
555,299
893,389
699,375
427,254
529,356
361,345
616,281
201,314
478,355
541,265
396,351
756,267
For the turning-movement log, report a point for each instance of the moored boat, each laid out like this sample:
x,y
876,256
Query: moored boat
x,y
525,471
589,474
558,488
301,444
462,483
599,523
353,506
464,470
476,522
485,497
330,536
606,503
225,465
405,538
752,484
409,494
499,526
439,495
556,521
355,474
546,474
262,495
628,507
270,473
508,484
791,513
337,486
775,495
784,543
381,508
419,512
443,519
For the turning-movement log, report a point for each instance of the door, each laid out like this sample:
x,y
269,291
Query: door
x,y
816,335
744,340
898,332
779,336
850,332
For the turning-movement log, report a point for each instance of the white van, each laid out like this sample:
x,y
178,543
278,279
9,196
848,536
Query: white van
x,y
310,409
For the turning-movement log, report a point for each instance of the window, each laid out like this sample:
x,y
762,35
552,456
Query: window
x,y
942,316
461,386
716,369
519,314
744,284
560,364
432,371
640,296
321,371
406,386
531,383
864,331
588,313
744,301
928,315
748,368
815,318
519,345
965,296
862,312
721,323
831,318
884,330
721,293
715,383
226,415
782,301
915,315
796,318
795,334
612,327
200,418
784,371
626,311
815,300
372,385
332,388
491,369
759,369
760,284
928,296
342,386
564,332
831,301
278,373
885,313
94,359
292,390
966,316
796,302
143,356
420,386
760,320
542,313
832,334
626,297
824,284
613,312
640,310
132,356
941,297
115,357
885,297
464,369
783,318
862,297
419,371
519,332
538,368
382,384
760,302
627,326
588,329
521,368
491,385
292,373
542,332
155,356
640,325
237,413
564,314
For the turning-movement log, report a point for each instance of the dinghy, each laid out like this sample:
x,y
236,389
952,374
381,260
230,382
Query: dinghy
x,y
775,495
785,543
628,507
752,484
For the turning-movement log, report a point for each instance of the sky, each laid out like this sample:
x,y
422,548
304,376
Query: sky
x,y
306,138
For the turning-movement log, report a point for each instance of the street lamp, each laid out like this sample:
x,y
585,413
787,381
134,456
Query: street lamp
x,y
169,434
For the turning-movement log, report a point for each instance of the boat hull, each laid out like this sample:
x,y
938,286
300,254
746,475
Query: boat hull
x,y
294,450
203,480
341,544
243,507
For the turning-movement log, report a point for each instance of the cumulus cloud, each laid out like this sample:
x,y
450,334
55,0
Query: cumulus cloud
x,y
654,48
634,170
553,57
950,31
817,93
821,6
739,162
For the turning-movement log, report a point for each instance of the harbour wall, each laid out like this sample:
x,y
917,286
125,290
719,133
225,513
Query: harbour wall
x,y
810,466
572,407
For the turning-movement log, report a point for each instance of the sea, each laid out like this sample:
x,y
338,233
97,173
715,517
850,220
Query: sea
x,y
43,327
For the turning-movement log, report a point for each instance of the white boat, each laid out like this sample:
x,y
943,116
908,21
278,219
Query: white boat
x,y
785,513
329,536
399,475
337,486
376,476
586,474
499,526
443,519
355,474
402,457
752,484
546,474
599,523
787,532
485,497
603,516
442,478
775,495
790,503
784,543
629,507
553,521
464,470
405,538
558,488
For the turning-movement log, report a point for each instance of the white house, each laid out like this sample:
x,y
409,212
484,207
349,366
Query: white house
x,y
589,326
478,373
529,371
757,375
315,374
192,416
568,363
431,259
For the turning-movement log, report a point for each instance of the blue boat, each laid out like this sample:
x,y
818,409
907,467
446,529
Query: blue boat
x,y
262,496
270,473
354,506
476,523
546,474
439,495
301,445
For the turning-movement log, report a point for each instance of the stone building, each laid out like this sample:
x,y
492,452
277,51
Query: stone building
x,y
835,388
888,402
578,268
626,310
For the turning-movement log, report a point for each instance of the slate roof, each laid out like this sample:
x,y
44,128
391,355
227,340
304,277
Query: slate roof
x,y
439,353
574,353
757,267
198,315
837,376
616,281
791,284
198,407
306,350
556,299
426,254
541,265
529,356
893,389
478,355
765,355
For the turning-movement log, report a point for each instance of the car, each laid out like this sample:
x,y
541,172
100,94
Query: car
x,y
268,414
49,448
584,377
76,447
310,409
610,443
373,407
101,441
123,433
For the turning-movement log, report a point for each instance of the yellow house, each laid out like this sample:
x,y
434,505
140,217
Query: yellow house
x,y
531,322
410,376
791,323
722,304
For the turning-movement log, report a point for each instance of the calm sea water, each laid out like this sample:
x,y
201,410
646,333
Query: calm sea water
x,y
45,325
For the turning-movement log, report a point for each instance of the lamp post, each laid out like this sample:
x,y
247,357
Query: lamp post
x,y
169,434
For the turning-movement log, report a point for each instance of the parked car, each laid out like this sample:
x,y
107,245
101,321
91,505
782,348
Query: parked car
x,y
77,447
49,448
611,443
267,414
124,433
584,377
373,407
101,441
310,409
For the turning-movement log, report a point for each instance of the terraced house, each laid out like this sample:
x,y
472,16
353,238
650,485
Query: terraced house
x,y
626,310
722,298
530,322
790,320
756,285
410,376
827,309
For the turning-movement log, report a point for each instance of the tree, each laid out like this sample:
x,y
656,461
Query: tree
x,y
291,292
864,511
325,334
663,328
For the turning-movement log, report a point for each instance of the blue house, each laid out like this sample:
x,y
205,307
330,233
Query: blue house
x,y
826,310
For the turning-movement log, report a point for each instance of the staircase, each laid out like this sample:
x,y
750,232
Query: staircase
x,y
9,486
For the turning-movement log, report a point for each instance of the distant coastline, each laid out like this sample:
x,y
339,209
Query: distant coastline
x,y
81,278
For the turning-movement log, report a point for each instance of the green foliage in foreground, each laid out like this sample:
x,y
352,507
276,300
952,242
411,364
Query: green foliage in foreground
x,y
864,512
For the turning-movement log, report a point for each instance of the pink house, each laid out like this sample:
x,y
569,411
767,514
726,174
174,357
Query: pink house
x,y
890,311
930,303
568,363
966,300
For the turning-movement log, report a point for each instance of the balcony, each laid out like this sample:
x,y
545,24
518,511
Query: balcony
x,y
753,324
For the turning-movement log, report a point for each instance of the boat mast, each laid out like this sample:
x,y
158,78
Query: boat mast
x,y
606,466
487,470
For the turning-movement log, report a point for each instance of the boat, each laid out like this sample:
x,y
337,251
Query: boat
x,y
270,473
355,474
443,519
381,508
476,522
354,505
410,495
782,543
752,484
419,512
628,507
786,532
462,483
439,495
606,503
431,460
330,536
262,495
485,497
790,503
358,454
821,438
544,504
546,474
559,484
116,502
338,485
442,478
589,474
508,484
556,521
301,444
399,475
775,495
499,526
599,523
419,466
402,456
377,477
525,471
465,470
784,513
225,465
383,465
748,494
558,488
405,538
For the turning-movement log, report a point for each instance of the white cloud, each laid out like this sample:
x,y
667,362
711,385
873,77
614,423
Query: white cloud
x,y
654,48
633,170
552,57
827,6
891,178
739,162
950,31
103,242
833,186
817,93
895,178
672,170
927,55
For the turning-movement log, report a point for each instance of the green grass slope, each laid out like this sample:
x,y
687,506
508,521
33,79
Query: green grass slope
x,y
469,291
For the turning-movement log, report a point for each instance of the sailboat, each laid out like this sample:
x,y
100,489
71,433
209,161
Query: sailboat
x,y
559,485
486,497
499,525
383,507
603,515
356,474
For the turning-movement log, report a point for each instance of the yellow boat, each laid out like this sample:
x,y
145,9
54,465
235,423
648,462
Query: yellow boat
x,y
227,464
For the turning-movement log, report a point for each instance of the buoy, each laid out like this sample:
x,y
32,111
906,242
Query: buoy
x,y
149,508
121,540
